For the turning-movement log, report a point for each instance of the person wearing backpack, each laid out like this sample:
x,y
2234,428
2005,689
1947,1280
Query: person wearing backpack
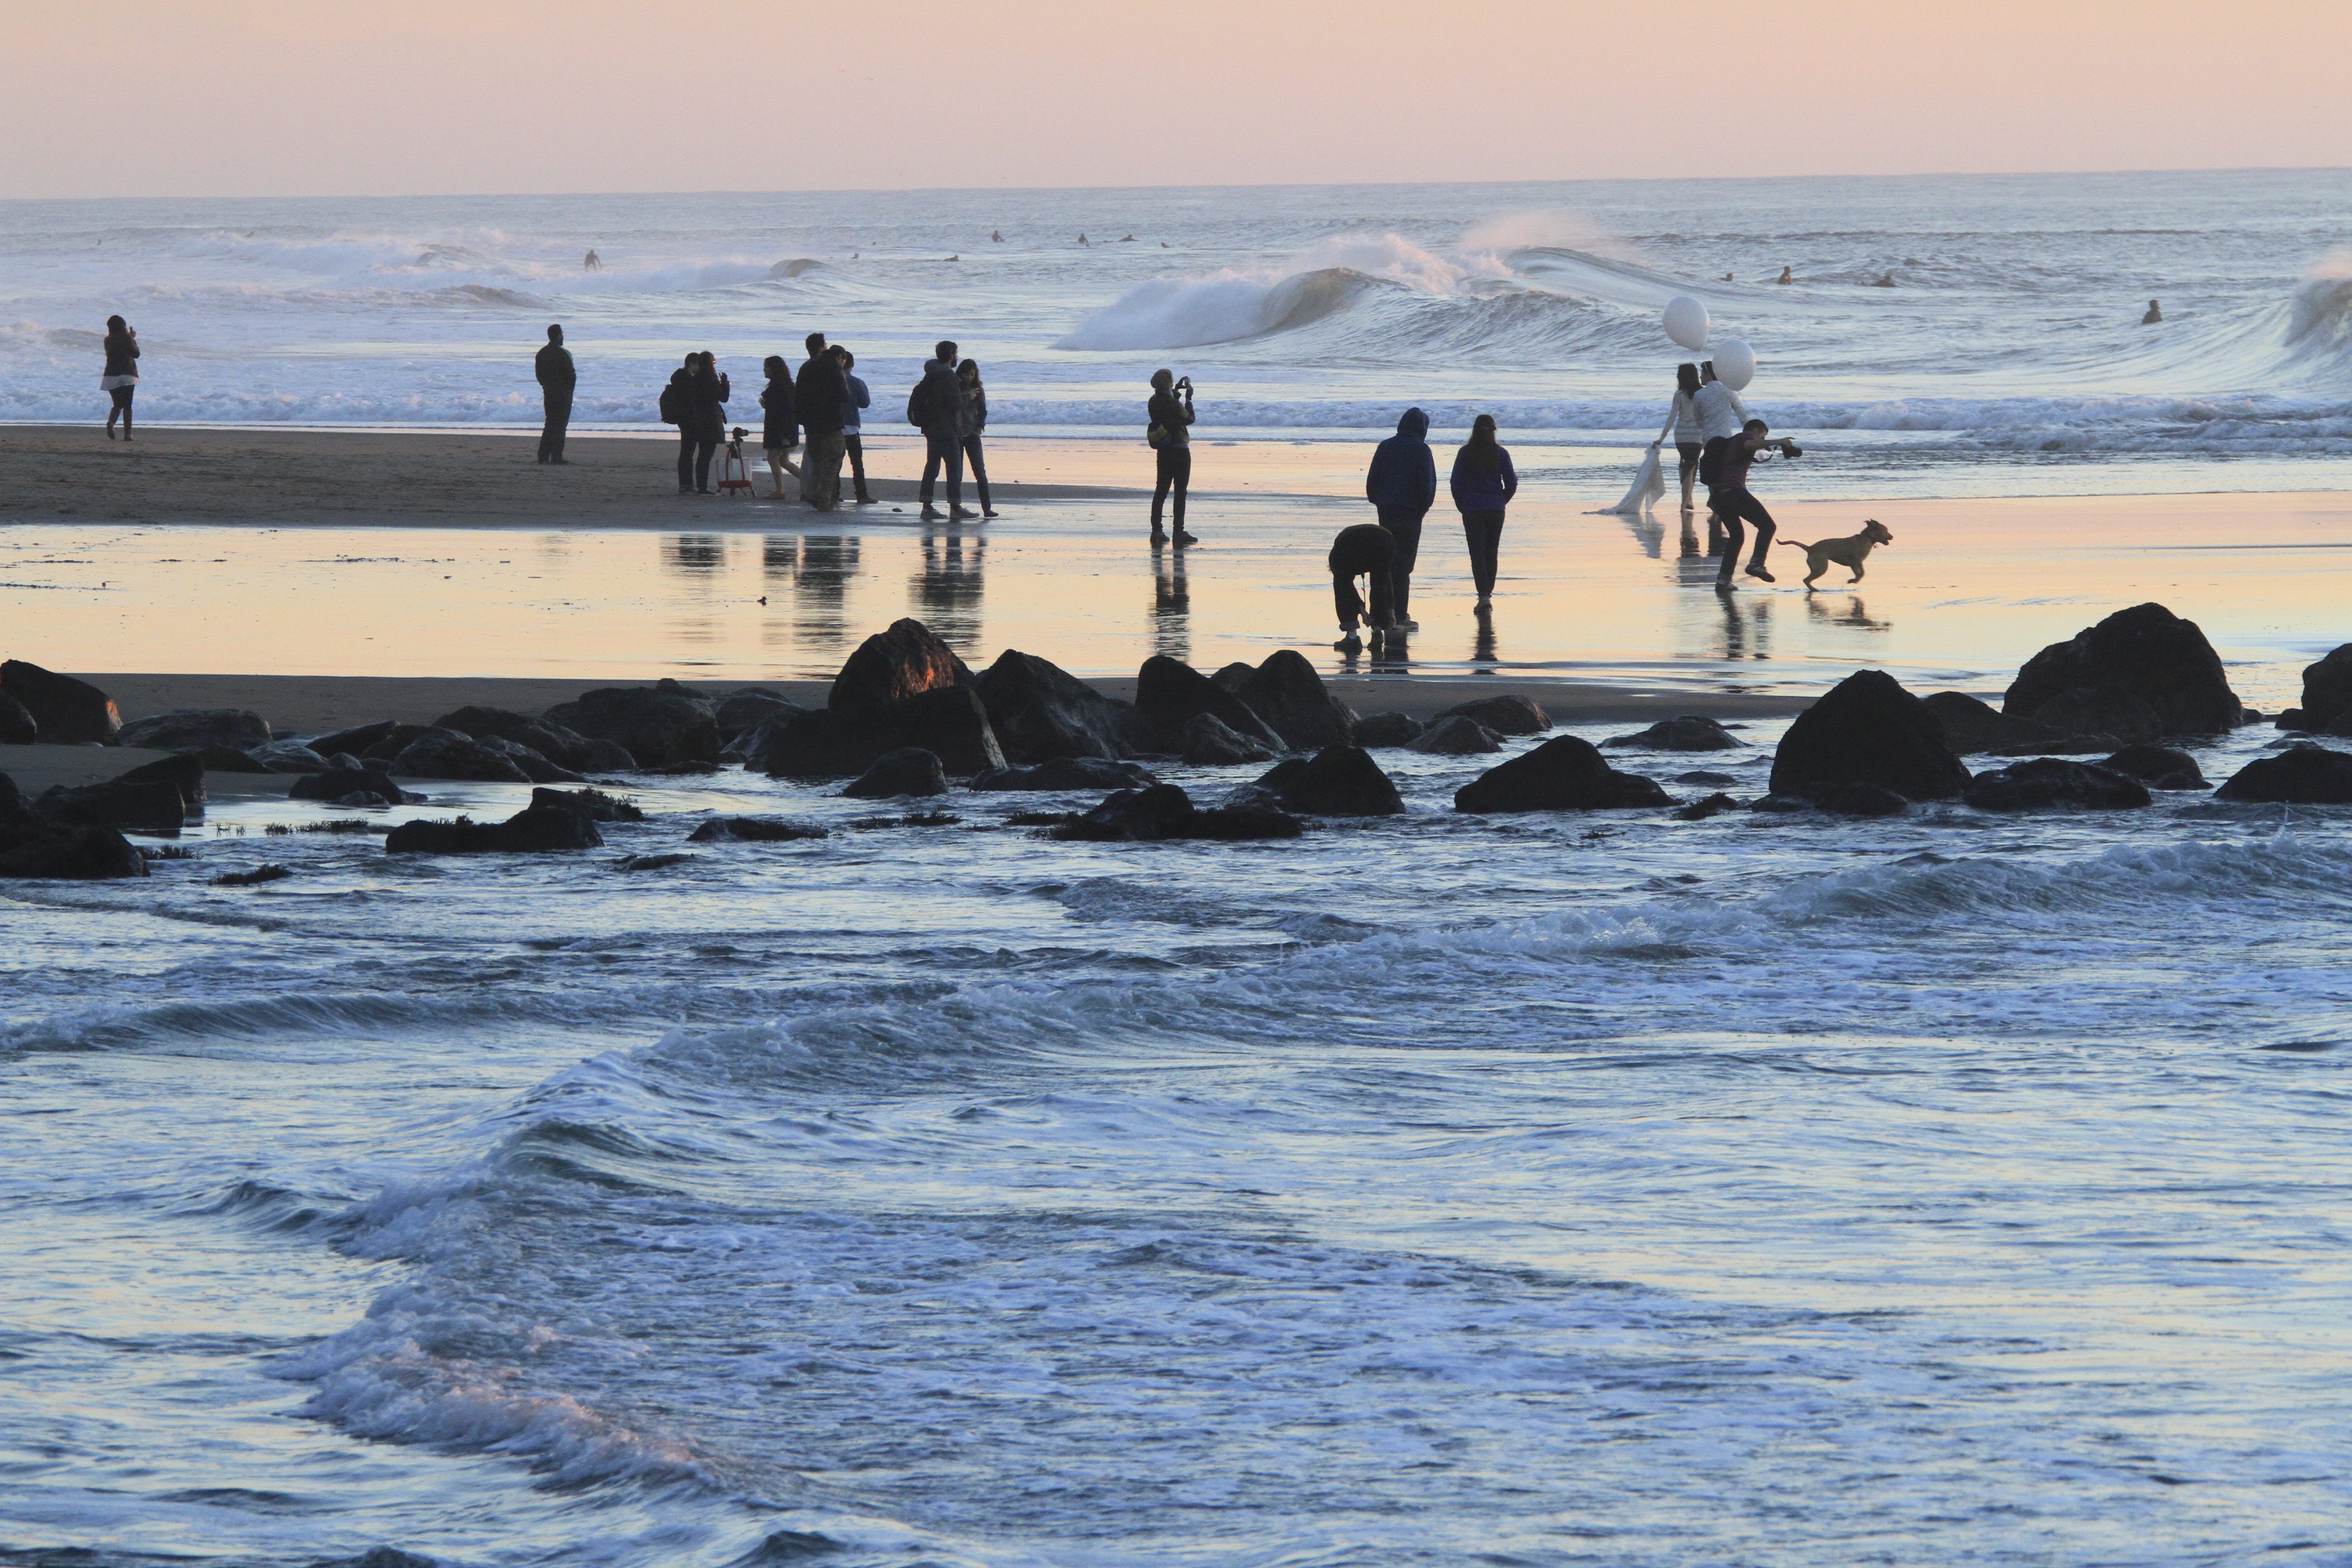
x,y
1170,431
818,395
701,404
937,406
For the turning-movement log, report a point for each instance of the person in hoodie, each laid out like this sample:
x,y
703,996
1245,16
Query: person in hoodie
x,y
946,422
703,392
780,429
1363,549
1484,483
1402,485
819,396
853,438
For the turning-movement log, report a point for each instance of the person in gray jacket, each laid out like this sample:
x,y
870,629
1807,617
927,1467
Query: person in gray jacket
x,y
945,423
852,444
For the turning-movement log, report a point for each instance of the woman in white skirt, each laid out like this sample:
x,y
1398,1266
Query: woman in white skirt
x,y
121,377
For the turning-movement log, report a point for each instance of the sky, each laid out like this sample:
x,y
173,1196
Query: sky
x,y
196,98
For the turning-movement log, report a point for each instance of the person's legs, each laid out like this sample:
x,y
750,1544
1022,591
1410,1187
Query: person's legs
x,y
1181,469
1484,532
777,470
821,470
953,458
558,415
685,462
704,448
1165,476
932,458
977,462
1404,525
1753,511
1346,601
853,447
125,394
1384,610
1688,452
1723,512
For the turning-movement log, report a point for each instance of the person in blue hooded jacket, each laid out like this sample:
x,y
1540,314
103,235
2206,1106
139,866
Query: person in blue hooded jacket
x,y
1402,485
1484,484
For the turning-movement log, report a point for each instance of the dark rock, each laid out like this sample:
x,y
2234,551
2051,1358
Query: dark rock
x,y
842,742
258,875
1858,799
1163,811
1069,773
1456,737
73,854
336,782
1684,735
752,830
1972,726
227,759
1169,692
1233,676
17,725
1208,741
1508,714
187,729
363,800
184,772
447,754
2050,782
1700,810
1564,773
891,666
1039,711
2302,774
1783,803
1240,820
1703,776
152,807
1868,729
397,740
530,831
655,724
2091,745
2339,725
17,818
69,712
1286,692
1388,730
1337,781
563,747
355,740
2106,709
535,767
680,770
593,804
910,770
2328,690
2160,767
746,709
288,757
2148,652
2290,718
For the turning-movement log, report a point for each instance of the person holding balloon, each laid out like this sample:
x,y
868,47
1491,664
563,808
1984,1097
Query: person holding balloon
x,y
1683,424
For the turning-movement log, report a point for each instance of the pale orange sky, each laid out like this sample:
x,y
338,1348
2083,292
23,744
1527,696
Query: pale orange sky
x,y
398,97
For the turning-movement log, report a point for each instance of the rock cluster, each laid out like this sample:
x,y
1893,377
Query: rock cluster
x,y
2139,674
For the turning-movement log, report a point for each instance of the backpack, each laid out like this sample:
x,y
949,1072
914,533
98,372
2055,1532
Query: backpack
x,y
673,403
1710,460
919,403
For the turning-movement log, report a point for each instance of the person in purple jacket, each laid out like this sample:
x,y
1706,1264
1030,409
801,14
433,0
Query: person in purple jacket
x,y
1484,484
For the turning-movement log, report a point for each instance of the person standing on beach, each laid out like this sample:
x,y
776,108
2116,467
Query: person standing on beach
x,y
819,395
557,377
1169,417
858,395
937,406
975,408
120,377
702,421
780,429
1402,485
1484,483
1729,500
1363,549
1683,424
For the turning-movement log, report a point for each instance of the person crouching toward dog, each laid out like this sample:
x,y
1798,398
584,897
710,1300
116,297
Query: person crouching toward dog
x,y
1365,549
1729,502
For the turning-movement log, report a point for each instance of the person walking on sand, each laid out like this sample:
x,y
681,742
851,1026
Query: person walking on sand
x,y
819,396
937,406
856,396
1484,483
557,377
2155,314
780,429
1729,500
1721,415
1363,549
1170,431
702,421
120,377
1402,485
975,405
1683,424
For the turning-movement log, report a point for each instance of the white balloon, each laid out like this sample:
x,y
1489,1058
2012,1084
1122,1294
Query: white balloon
x,y
1734,363
1686,322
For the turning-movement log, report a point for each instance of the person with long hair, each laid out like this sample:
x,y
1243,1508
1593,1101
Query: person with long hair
x,y
703,389
780,429
1484,484
975,403
1683,424
120,378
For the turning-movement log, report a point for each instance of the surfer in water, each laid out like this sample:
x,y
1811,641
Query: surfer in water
x,y
2155,314
1786,277
592,262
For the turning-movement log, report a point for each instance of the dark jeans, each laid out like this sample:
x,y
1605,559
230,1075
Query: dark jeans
x,y
1176,470
1728,506
694,453
852,446
1484,530
821,469
551,434
943,451
1404,523
978,463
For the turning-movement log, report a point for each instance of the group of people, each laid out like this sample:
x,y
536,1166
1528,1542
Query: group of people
x,y
1719,445
1402,485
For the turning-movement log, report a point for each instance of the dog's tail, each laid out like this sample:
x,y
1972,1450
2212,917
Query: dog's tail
x,y
1797,543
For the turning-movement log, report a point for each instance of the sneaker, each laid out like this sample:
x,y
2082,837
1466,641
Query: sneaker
x,y
1757,571
1726,585
1408,625
1351,643
1159,536
988,511
865,499
1184,538
932,513
960,513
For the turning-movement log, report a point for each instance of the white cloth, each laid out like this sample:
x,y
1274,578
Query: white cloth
x,y
109,382
1720,412
1649,484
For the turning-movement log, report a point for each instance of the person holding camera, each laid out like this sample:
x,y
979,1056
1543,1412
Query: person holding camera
x,y
1170,414
702,394
121,379
1729,500
937,406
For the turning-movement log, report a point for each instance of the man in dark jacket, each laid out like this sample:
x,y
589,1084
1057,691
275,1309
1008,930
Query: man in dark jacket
x,y
702,394
1365,549
818,394
556,379
946,422
1402,485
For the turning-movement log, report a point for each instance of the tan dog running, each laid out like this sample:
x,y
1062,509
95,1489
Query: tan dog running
x,y
1848,552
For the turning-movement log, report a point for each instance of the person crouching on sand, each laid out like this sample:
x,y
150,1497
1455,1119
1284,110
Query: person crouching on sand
x,y
1729,500
1170,418
1363,549
1484,483
122,375
780,429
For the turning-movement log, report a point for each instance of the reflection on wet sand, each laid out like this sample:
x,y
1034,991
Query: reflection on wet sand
x,y
820,590
1482,646
1746,626
701,560
1819,608
946,592
1171,606
694,553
